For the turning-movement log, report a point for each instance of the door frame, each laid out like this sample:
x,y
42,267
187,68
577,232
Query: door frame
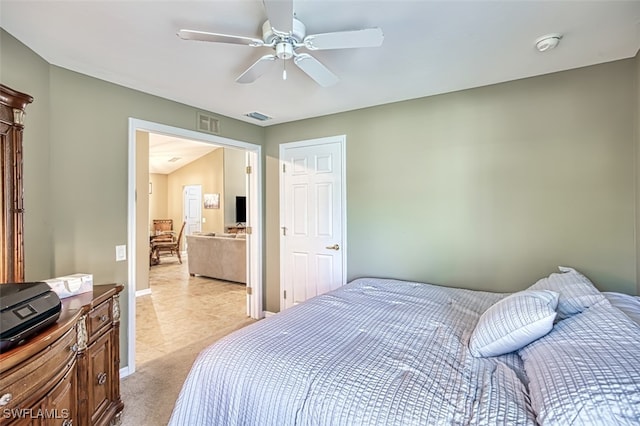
x,y
342,140
254,240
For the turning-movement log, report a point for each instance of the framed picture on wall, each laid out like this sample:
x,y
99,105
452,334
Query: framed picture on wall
x,y
211,201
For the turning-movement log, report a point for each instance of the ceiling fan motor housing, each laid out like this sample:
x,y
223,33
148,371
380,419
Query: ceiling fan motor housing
x,y
269,35
284,50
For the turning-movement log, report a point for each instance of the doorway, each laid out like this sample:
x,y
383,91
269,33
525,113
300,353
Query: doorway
x,y
138,234
191,206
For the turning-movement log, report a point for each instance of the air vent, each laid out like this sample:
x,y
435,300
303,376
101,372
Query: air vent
x,y
258,116
208,123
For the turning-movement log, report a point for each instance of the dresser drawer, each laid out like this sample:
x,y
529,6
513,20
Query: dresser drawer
x,y
99,319
60,403
101,376
24,386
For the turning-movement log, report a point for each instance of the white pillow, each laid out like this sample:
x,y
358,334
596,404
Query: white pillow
x,y
514,322
577,293
586,371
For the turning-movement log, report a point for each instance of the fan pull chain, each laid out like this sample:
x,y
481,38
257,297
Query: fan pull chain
x,y
284,69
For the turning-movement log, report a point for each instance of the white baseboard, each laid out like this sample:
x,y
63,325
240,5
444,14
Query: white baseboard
x,y
268,314
143,292
124,372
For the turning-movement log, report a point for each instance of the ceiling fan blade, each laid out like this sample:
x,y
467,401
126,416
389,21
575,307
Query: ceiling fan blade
x,y
280,15
314,69
261,66
370,37
219,38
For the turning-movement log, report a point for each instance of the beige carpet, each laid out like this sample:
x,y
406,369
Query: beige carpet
x,y
150,393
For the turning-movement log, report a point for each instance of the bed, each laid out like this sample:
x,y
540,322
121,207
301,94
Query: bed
x,y
392,352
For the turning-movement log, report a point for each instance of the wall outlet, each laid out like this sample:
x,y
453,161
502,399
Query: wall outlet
x,y
204,220
121,253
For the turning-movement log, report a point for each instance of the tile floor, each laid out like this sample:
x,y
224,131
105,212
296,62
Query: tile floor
x,y
182,309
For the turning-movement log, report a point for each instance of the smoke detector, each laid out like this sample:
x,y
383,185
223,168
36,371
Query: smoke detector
x,y
548,42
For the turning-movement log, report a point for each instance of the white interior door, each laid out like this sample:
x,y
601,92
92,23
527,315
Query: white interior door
x,y
192,209
312,212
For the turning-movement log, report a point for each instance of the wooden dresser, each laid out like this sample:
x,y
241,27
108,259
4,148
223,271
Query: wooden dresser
x,y
69,374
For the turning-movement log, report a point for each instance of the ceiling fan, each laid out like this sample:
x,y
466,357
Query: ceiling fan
x,y
283,33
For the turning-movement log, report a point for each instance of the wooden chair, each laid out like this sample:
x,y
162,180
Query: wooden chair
x,y
171,247
162,230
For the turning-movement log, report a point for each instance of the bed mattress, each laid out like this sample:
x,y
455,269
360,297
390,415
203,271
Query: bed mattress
x,y
390,352
376,352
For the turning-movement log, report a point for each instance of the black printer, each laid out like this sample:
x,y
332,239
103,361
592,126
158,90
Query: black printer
x,y
25,309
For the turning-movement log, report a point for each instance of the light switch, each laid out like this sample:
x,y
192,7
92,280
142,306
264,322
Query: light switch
x,y
204,220
121,253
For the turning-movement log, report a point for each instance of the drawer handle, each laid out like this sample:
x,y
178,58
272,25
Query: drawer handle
x,y
103,318
102,378
5,399
74,347
67,422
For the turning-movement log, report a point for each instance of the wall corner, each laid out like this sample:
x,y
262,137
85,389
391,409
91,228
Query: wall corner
x,y
636,135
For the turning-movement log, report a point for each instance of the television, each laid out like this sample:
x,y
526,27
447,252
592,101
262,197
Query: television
x,y
241,209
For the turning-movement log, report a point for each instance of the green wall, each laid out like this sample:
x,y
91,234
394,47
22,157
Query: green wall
x,y
75,159
490,188
24,71
637,135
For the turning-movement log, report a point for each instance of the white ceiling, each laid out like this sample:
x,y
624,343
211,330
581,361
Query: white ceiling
x,y
430,47
167,154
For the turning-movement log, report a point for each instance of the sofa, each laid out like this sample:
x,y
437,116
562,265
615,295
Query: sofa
x,y
222,256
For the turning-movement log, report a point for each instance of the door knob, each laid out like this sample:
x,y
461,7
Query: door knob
x,y
334,247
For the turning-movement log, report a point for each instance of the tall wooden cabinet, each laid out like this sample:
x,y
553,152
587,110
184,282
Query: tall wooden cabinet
x,y
12,109
70,373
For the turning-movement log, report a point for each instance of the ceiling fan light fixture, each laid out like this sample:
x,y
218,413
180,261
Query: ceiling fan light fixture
x,y
284,50
548,42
